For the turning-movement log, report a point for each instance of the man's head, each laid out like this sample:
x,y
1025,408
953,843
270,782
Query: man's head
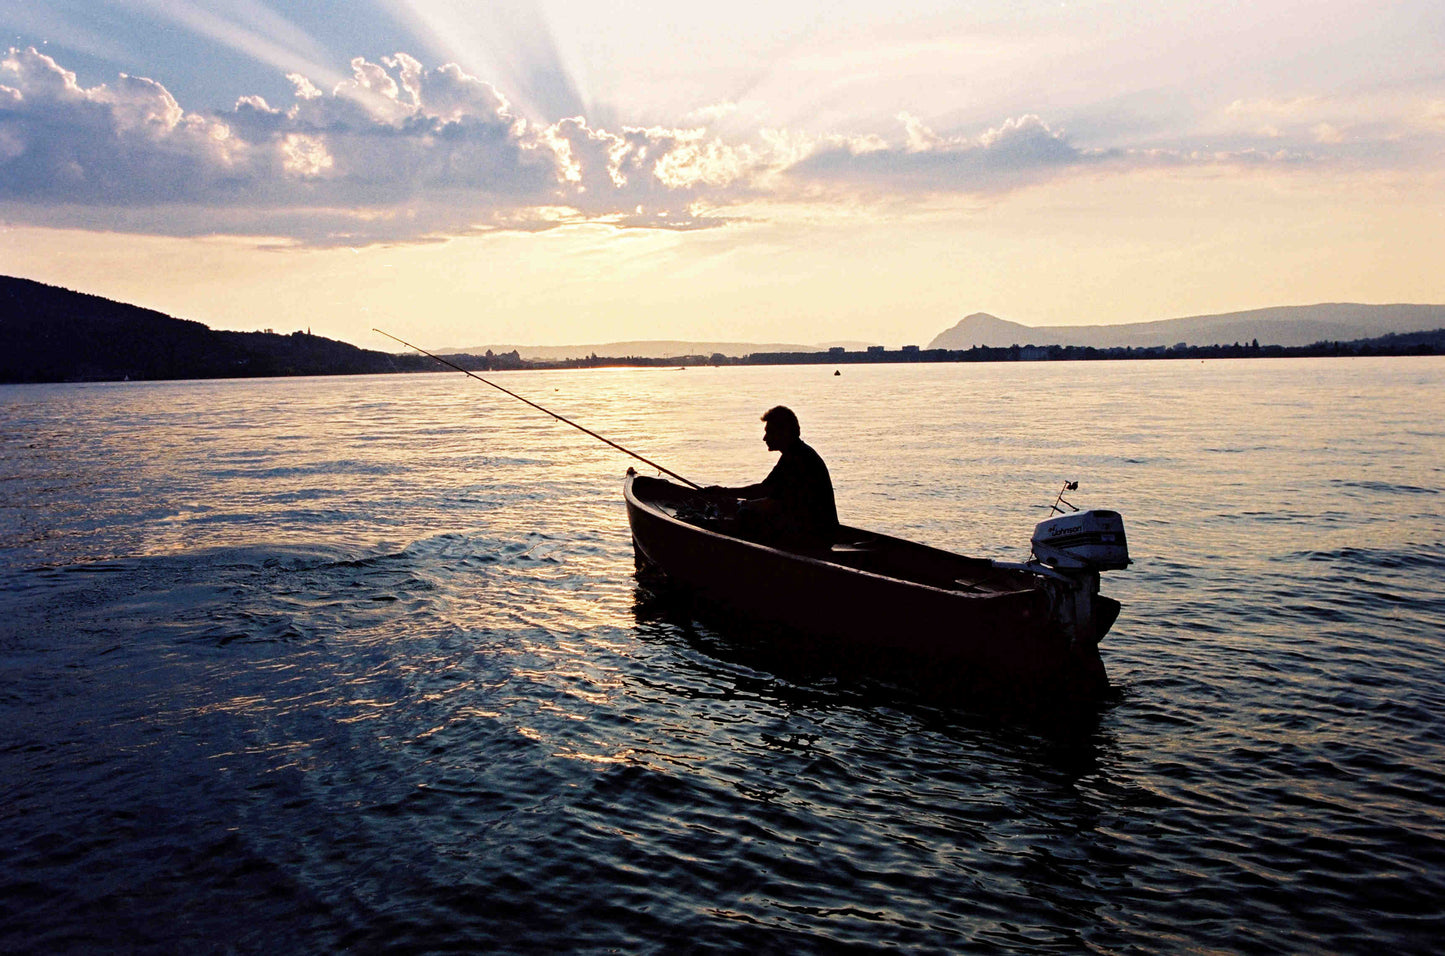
x,y
781,428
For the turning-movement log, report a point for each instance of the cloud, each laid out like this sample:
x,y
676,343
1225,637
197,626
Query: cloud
x,y
1384,126
130,142
392,134
1020,151
397,151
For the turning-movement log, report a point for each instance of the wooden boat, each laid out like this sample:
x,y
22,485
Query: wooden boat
x,y
994,629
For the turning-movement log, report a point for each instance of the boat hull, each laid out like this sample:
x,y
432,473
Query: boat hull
x,y
874,598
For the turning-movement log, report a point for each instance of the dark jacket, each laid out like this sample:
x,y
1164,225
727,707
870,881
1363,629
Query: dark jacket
x,y
799,482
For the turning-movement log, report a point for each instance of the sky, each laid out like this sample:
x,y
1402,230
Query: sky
x,y
552,172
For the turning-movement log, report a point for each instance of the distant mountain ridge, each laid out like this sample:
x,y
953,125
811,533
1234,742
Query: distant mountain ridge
x,y
1294,325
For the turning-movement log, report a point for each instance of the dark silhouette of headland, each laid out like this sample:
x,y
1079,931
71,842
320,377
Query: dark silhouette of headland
x,y
50,334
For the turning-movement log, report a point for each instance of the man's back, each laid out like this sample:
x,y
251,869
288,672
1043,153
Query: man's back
x,y
800,483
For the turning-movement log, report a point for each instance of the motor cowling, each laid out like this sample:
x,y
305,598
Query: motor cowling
x,y
1082,541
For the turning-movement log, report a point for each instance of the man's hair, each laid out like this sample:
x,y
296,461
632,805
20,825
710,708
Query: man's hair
x,y
782,416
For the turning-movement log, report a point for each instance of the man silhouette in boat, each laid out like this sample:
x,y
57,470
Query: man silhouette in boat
x,y
793,507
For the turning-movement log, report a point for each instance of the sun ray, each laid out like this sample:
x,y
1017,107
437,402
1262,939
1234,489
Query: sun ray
x,y
510,44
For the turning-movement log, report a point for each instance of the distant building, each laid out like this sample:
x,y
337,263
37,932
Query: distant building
x,y
910,348
875,348
837,350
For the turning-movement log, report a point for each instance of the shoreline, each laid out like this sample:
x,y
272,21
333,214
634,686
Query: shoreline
x,y
1424,344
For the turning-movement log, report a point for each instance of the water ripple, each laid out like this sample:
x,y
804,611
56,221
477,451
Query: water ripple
x,y
396,687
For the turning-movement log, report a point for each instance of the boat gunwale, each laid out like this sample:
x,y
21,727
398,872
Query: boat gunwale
x,y
651,508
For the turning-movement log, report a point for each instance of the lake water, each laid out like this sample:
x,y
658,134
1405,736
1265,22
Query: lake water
x,y
361,663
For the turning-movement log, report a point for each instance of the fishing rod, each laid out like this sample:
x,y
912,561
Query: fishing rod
x,y
539,408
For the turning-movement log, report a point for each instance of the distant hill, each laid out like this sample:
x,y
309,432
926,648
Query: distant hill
x,y
50,334
647,348
1284,325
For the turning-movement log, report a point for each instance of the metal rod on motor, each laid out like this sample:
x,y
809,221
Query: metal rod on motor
x,y
1054,509
539,408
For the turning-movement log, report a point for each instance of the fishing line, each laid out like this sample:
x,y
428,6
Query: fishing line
x,y
539,408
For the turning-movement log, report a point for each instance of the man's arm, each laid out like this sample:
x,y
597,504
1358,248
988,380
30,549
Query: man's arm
x,y
767,488
747,491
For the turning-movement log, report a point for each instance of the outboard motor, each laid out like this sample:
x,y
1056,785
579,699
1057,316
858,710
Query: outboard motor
x,y
1082,541
1071,548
